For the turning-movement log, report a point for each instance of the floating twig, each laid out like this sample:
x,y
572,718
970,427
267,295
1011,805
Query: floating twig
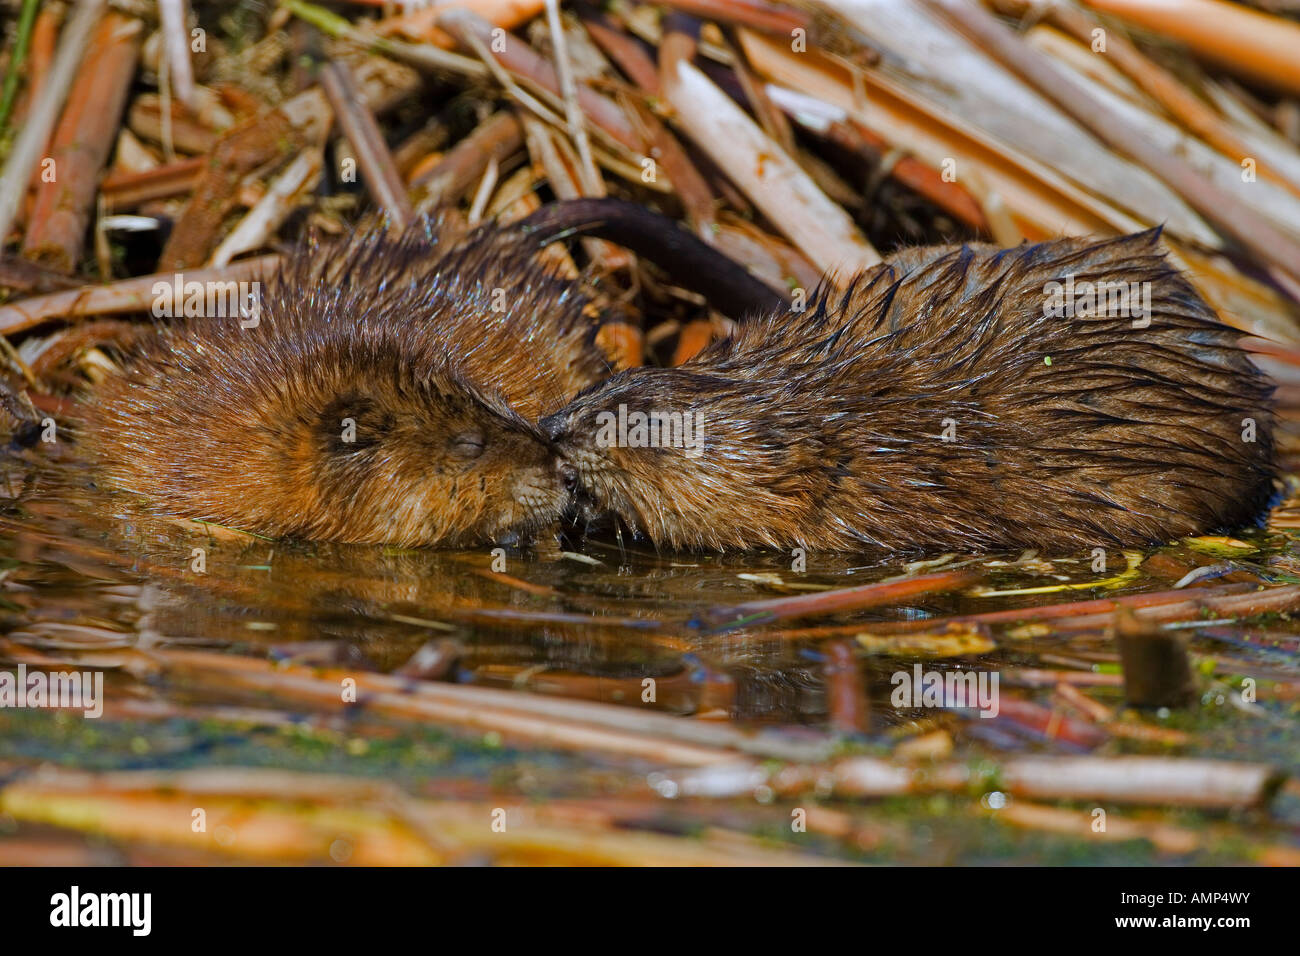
x,y
1157,670
543,721
830,602
1096,610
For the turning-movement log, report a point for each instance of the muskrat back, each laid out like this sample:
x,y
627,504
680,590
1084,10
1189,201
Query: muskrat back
x,y
954,398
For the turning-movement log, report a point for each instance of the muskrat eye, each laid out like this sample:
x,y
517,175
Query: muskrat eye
x,y
468,444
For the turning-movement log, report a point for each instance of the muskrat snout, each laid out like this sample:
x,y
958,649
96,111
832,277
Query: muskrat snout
x,y
554,426
571,461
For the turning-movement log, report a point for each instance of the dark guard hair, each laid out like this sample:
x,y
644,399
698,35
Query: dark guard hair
x,y
935,406
388,393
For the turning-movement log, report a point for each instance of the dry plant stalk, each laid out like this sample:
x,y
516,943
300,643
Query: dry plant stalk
x,y
495,140
258,228
176,37
272,816
44,113
359,126
127,190
1158,83
56,231
1169,781
770,179
126,295
1269,244
1080,823
1256,45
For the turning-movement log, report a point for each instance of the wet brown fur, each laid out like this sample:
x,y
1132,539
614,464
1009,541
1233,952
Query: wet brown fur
x,y
443,350
823,429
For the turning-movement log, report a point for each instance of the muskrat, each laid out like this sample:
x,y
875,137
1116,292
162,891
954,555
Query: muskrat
x,y
390,389
935,405
388,393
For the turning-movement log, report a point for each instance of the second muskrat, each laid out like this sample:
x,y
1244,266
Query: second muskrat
x,y
937,405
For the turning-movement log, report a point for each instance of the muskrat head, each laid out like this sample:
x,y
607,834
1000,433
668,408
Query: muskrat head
x,y
429,462
611,472
677,455
327,435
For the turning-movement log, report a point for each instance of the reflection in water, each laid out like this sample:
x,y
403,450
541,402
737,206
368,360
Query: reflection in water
x,y
88,569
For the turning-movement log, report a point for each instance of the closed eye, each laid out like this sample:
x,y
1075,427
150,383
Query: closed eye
x,y
468,444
